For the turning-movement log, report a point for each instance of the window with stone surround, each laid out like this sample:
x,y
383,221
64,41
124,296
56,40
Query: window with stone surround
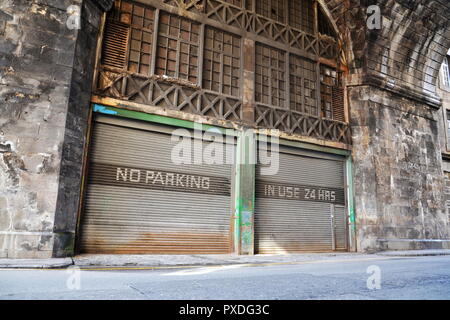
x,y
445,72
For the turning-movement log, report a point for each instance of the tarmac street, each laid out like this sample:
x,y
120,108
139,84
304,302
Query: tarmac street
x,y
424,277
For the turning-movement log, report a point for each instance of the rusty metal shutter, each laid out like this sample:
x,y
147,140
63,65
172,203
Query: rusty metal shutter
x,y
294,208
115,43
138,201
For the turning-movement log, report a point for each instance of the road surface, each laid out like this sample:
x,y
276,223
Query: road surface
x,y
380,278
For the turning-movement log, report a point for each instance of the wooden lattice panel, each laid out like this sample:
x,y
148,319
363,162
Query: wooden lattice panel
x,y
190,59
167,93
301,124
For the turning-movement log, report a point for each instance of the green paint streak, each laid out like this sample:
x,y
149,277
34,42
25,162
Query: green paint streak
x,y
244,193
351,203
124,113
237,199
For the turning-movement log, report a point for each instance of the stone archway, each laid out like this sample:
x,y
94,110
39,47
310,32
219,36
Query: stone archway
x,y
393,102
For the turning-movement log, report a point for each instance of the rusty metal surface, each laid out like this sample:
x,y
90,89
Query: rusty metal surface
x,y
297,216
138,201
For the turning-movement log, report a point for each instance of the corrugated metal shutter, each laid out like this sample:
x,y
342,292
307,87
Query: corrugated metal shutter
x,y
293,210
138,201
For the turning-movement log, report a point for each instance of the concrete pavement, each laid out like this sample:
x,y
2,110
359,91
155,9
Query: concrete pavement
x,y
90,261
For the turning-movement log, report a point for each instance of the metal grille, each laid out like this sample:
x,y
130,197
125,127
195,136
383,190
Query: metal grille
x,y
301,15
178,46
303,83
270,76
273,9
222,62
135,204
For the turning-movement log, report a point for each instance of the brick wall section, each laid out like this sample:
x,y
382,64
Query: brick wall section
x,y
44,93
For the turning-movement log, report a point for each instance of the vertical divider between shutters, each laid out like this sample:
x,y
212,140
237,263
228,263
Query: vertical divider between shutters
x,y
350,204
237,199
245,193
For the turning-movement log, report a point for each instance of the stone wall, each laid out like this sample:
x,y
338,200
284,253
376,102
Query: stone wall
x,y
398,170
45,71
444,94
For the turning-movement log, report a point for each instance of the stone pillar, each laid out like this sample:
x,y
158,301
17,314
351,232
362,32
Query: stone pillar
x,y
398,179
46,68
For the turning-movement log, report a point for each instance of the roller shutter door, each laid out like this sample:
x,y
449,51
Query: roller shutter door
x,y
302,207
139,201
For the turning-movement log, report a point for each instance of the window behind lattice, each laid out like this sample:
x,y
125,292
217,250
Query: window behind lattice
x,y
128,37
222,63
270,76
324,25
273,9
178,48
237,3
303,83
301,15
